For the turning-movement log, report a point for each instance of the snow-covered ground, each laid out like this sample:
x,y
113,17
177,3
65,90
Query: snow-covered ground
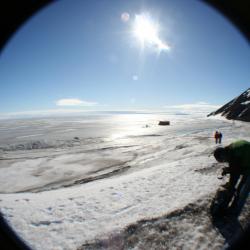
x,y
77,180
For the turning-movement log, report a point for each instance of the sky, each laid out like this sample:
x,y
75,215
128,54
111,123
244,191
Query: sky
x,y
123,55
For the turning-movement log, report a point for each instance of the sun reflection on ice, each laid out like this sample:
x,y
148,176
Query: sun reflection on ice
x,y
132,125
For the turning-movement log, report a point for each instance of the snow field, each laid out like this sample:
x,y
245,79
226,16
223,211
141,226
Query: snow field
x,y
169,172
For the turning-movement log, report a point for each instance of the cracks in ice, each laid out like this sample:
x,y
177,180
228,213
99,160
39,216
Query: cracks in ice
x,y
45,223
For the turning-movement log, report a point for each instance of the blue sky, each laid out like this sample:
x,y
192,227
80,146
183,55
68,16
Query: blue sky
x,y
82,55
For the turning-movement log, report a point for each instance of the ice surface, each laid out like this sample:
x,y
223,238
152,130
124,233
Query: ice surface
x,y
93,176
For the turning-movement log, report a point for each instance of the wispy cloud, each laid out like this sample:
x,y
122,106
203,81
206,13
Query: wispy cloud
x,y
38,113
75,102
191,108
64,112
194,108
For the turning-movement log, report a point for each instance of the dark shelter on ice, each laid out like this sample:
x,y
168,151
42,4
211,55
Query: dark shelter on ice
x,y
164,123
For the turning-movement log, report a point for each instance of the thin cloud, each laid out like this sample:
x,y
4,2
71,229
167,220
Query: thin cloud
x,y
75,102
199,107
47,112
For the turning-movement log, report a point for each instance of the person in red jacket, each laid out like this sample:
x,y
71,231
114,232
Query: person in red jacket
x,y
216,136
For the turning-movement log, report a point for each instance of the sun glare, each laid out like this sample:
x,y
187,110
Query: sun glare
x,y
146,31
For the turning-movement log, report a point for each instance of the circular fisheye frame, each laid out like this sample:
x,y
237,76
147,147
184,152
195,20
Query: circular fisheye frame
x,y
111,114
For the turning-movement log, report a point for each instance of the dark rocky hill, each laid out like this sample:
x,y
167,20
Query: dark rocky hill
x,y
237,109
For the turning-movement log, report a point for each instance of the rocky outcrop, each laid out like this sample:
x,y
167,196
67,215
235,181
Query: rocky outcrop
x,y
237,109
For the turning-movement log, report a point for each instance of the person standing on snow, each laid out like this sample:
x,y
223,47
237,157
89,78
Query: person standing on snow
x,y
216,136
237,155
220,137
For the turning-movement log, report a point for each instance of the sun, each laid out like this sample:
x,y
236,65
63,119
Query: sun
x,y
146,31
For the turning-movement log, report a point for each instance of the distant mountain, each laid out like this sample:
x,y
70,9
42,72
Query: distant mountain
x,y
237,109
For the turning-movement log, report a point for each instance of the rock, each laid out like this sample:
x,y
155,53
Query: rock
x,y
236,109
